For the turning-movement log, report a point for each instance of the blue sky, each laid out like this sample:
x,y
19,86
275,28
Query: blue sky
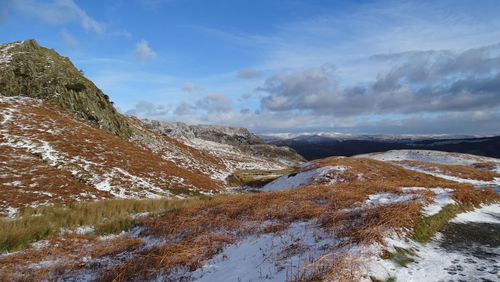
x,y
420,67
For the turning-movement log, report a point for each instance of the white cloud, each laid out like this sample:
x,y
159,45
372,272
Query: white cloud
x,y
149,110
143,52
58,12
214,103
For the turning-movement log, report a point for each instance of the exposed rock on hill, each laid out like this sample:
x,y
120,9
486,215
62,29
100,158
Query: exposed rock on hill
x,y
242,139
27,69
220,134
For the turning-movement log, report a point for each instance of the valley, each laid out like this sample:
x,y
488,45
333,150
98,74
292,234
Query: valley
x,y
91,194
321,145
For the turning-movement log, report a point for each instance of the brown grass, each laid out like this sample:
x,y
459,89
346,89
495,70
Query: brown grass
x,y
485,165
38,181
196,233
69,252
108,216
475,197
382,172
42,122
335,207
460,171
232,217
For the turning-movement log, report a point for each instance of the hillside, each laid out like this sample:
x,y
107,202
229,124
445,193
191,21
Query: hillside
x,y
242,142
36,80
89,194
50,156
27,69
354,219
62,143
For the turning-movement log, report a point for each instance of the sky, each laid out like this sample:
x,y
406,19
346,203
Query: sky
x,y
390,67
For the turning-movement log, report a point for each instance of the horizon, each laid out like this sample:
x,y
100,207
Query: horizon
x,y
363,67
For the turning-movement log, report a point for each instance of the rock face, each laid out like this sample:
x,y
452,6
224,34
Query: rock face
x,y
241,138
219,134
27,69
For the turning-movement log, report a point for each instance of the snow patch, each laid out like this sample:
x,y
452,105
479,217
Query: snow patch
x,y
428,156
294,180
12,212
441,199
434,262
495,181
388,198
271,257
486,214
82,230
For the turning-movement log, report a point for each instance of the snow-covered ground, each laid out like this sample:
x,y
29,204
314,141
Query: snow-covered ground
x,y
486,214
388,198
441,260
233,158
441,199
39,141
291,181
268,257
429,156
494,182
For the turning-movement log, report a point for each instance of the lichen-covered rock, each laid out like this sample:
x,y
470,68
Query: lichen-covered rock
x,y
27,69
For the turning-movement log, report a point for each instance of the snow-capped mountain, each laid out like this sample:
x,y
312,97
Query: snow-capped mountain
x,y
324,144
314,137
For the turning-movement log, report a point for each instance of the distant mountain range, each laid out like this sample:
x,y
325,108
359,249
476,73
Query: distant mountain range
x,y
325,144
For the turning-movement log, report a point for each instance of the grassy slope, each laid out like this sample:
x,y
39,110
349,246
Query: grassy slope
x,y
196,232
85,156
106,217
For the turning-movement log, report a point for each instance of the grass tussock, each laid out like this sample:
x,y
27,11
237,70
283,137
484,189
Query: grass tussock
x,y
460,171
369,170
475,197
107,217
68,252
485,165
196,233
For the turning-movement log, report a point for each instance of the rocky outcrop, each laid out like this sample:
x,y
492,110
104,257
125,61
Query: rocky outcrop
x,y
219,134
240,138
27,69
285,155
